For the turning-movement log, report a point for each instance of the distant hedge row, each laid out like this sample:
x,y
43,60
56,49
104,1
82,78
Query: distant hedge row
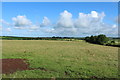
x,y
100,39
40,38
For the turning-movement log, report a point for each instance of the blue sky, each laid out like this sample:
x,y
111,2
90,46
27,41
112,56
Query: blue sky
x,y
59,18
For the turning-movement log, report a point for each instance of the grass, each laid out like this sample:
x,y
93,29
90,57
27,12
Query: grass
x,y
62,59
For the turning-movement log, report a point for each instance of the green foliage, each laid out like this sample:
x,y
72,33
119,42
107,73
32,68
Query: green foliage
x,y
41,38
100,39
113,42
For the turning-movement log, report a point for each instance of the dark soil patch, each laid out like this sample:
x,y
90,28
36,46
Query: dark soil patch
x,y
12,65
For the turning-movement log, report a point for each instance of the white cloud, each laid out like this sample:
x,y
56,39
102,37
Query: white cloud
x,y
4,22
34,27
114,26
85,24
21,21
8,30
82,21
94,14
21,27
65,20
65,24
87,20
45,22
91,23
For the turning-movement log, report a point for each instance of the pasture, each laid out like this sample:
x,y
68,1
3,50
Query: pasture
x,y
62,59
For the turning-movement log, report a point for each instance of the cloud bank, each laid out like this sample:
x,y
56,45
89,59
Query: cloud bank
x,y
85,24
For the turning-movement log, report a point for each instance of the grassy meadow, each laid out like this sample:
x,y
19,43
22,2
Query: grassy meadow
x,y
62,59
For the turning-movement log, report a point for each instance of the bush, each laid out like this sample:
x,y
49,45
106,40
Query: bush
x,y
100,39
113,42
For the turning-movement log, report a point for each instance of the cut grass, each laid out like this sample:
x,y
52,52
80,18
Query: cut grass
x,y
62,59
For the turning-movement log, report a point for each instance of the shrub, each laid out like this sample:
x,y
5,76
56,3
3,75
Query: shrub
x,y
100,39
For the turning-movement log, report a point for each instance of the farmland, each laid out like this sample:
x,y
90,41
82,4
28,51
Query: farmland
x,y
62,59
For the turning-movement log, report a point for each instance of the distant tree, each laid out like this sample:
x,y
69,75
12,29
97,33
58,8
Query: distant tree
x,y
95,39
113,42
92,39
53,37
100,39
87,39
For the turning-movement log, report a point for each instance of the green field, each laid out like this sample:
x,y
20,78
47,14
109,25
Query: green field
x,y
76,58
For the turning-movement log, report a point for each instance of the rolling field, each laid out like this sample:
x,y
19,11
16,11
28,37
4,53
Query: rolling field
x,y
62,59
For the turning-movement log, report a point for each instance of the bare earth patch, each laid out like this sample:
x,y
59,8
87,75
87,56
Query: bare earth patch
x,y
13,65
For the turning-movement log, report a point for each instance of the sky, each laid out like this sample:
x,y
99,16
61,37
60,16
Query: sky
x,y
67,19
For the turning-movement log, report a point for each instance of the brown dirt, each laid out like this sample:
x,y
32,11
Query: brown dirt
x,y
13,65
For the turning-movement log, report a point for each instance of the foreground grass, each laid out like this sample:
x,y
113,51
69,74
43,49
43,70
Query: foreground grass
x,y
62,59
